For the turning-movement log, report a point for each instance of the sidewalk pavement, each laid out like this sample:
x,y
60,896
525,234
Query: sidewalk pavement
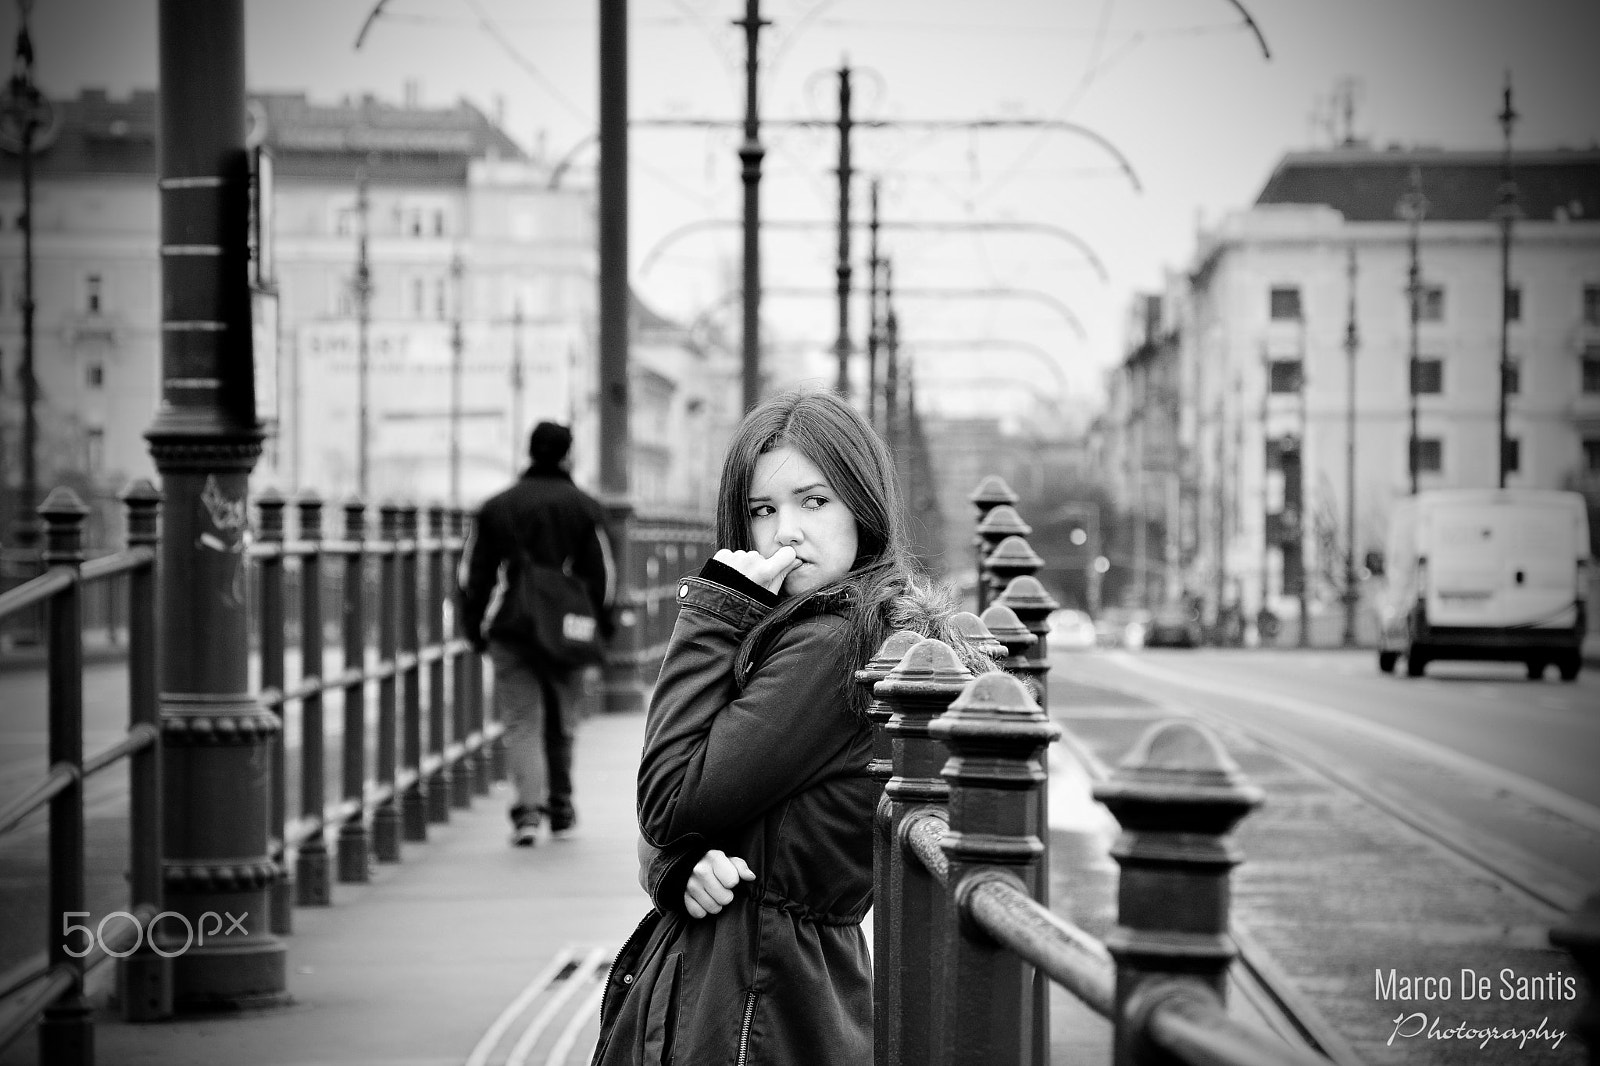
x,y
415,967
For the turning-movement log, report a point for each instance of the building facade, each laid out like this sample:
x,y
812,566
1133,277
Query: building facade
x,y
480,319
1296,371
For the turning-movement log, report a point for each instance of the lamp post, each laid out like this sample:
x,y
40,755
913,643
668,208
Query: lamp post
x,y
1506,212
1413,208
459,294
1351,344
24,115
362,286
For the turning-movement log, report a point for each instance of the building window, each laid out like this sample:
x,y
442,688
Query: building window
x,y
1591,305
94,447
1514,303
1591,456
92,289
1513,374
419,298
344,222
95,375
1513,454
1427,377
1430,305
416,222
1283,375
1591,371
1284,301
438,223
1427,455
441,305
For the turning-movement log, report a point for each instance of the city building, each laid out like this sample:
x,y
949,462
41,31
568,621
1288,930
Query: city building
x,y
479,318
1276,293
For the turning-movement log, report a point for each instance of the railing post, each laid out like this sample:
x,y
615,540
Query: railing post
x,y
991,492
353,841
386,819
885,989
414,801
312,873
144,979
998,527
270,627
1006,628
621,688
468,678
1031,604
65,1033
1178,795
1580,936
927,679
995,733
433,610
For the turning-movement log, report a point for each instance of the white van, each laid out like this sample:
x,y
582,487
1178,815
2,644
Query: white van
x,y
1485,574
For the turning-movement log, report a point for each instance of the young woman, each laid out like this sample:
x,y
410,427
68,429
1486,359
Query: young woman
x,y
755,809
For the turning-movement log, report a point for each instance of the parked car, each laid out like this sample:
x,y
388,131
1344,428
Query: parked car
x,y
1121,627
1173,626
1071,628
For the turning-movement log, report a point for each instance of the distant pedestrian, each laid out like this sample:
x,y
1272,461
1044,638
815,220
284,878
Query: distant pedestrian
x,y
542,520
755,808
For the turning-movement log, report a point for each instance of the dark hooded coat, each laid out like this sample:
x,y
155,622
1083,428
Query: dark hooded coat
x,y
756,751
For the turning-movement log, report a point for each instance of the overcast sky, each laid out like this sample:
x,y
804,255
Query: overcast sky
x,y
1179,87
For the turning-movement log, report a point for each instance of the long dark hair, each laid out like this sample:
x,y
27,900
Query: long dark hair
x,y
886,588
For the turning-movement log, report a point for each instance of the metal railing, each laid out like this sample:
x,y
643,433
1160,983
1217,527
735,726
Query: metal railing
x,y
51,983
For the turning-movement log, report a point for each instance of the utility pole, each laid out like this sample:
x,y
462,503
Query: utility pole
x,y
1303,445
1413,208
891,374
456,271
1507,213
841,347
363,294
1352,343
750,155
872,308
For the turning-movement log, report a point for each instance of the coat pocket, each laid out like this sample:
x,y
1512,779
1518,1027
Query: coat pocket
x,y
661,1017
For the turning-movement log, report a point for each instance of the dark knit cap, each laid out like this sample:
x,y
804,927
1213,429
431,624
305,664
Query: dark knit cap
x,y
549,442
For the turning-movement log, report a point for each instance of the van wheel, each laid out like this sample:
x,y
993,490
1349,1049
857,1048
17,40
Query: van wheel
x,y
1536,670
1415,664
1569,667
1386,661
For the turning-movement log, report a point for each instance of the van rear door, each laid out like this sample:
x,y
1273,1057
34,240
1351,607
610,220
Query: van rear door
x,y
1503,565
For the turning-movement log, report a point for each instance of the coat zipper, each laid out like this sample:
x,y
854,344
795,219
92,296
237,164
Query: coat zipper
x,y
744,1030
612,969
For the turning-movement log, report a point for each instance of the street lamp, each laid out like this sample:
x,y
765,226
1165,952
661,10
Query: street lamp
x,y
1506,212
1352,343
26,120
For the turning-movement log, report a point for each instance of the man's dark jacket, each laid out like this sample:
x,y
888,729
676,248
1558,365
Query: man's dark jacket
x,y
548,520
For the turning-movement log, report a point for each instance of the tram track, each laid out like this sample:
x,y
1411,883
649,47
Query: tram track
x,y
1521,882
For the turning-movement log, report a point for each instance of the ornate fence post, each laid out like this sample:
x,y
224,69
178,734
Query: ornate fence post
x,y
312,872
65,1032
144,979
1178,795
353,842
974,629
386,819
917,691
885,991
271,626
998,527
468,685
460,655
991,492
1006,628
995,733
1580,936
413,801
433,609
1031,604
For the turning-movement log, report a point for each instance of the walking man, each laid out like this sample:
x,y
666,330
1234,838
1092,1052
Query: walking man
x,y
546,520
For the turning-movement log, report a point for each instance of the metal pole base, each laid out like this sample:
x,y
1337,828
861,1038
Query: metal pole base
x,y
461,783
481,778
65,1033
224,977
280,905
439,795
622,695
352,855
386,833
353,844
313,876
144,986
499,766
414,814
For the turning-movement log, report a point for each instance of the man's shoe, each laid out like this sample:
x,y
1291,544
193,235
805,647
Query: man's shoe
x,y
524,826
563,828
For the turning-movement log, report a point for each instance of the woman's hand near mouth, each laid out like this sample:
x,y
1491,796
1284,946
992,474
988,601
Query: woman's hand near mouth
x,y
768,573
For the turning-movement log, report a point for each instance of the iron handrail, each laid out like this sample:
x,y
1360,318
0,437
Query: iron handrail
x,y
37,590
1191,1023
128,561
142,736
57,779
